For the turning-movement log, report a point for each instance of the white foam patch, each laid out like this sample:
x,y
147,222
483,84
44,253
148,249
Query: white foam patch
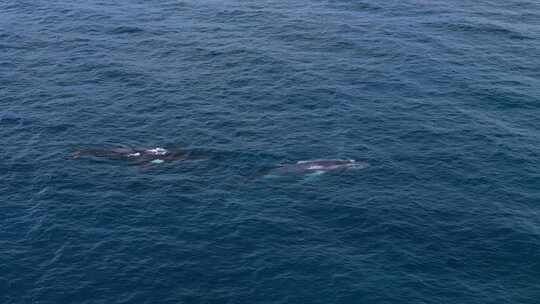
x,y
157,161
312,160
314,175
157,151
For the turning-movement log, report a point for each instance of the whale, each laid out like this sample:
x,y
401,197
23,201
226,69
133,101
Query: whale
x,y
153,155
315,167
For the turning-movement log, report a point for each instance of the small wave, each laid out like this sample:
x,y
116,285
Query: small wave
x,y
126,30
482,29
10,118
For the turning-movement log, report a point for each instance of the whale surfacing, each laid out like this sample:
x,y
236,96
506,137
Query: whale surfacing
x,y
147,156
315,167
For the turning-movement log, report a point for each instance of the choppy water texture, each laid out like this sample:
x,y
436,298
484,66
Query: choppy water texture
x,y
441,98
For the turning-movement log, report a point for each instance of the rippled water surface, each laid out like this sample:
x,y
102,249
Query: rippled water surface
x,y
440,98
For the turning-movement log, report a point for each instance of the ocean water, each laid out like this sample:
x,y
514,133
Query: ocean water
x,y
440,98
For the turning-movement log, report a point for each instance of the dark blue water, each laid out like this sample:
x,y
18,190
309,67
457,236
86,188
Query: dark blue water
x,y
441,98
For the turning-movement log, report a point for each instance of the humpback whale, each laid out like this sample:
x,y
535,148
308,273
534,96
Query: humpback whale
x,y
155,155
316,167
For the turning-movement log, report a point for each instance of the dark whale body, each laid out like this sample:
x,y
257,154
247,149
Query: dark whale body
x,y
316,167
139,156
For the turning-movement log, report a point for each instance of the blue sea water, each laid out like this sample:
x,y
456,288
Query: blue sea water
x,y
441,98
